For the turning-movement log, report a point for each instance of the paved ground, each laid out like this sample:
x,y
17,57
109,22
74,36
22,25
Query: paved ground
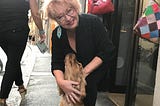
x,y
42,91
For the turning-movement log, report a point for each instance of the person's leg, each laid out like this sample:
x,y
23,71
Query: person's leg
x,y
12,70
19,79
91,93
92,84
14,48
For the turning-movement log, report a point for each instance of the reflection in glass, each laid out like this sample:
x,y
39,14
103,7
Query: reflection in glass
x,y
146,72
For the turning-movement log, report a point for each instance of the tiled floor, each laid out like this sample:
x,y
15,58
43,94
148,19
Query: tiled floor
x,y
116,98
141,99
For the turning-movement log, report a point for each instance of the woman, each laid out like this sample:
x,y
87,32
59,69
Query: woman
x,y
13,38
85,36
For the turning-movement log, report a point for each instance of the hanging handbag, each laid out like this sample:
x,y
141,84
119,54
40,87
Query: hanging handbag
x,y
148,25
100,6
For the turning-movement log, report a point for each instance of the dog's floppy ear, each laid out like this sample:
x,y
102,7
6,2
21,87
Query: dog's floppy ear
x,y
80,65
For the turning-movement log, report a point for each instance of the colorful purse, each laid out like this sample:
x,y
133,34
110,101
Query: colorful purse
x,y
100,6
148,25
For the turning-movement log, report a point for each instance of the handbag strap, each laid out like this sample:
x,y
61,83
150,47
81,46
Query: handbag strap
x,y
153,1
156,2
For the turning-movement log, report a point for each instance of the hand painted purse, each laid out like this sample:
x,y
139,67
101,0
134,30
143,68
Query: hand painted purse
x,y
148,25
100,6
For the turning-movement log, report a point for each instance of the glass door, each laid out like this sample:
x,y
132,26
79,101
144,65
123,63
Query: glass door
x,y
146,70
122,28
141,87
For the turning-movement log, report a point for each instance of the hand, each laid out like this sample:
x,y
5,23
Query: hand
x,y
70,92
42,38
72,98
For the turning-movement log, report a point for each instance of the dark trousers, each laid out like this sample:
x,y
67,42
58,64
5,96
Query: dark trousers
x,y
13,42
93,81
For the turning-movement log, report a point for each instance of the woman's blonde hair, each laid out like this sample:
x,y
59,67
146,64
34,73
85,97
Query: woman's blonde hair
x,y
51,7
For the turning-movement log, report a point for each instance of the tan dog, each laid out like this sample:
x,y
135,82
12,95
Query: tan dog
x,y
73,72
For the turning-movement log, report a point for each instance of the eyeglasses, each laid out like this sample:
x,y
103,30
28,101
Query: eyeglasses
x,y
69,12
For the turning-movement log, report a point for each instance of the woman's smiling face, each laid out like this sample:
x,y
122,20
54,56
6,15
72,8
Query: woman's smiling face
x,y
66,16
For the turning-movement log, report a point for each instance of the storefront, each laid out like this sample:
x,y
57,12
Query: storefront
x,y
133,73
144,70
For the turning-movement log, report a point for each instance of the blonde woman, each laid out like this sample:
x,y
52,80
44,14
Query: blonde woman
x,y
85,36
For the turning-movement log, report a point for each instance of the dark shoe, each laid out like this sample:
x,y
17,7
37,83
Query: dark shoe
x,y
22,91
3,102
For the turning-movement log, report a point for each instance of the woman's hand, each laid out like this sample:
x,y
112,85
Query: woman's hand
x,y
72,94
